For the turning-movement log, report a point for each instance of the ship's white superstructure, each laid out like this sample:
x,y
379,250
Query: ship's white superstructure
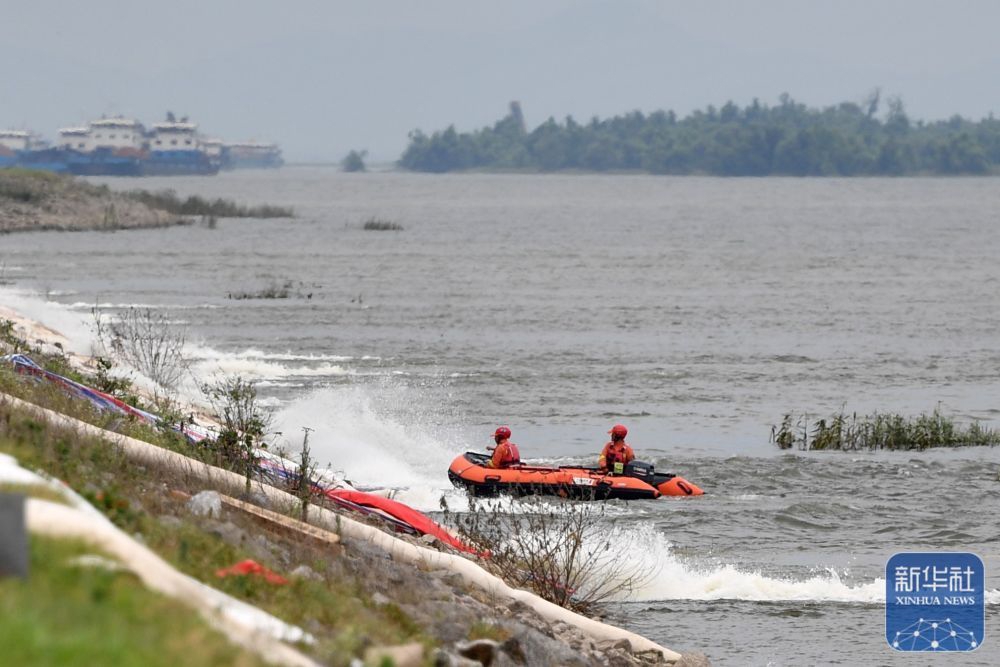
x,y
174,136
74,138
116,133
251,154
16,140
212,148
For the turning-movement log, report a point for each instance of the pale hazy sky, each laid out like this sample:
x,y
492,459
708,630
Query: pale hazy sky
x,y
322,77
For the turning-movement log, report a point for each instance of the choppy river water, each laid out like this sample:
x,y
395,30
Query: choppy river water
x,y
697,311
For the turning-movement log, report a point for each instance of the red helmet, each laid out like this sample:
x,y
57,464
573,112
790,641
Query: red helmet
x,y
618,431
502,432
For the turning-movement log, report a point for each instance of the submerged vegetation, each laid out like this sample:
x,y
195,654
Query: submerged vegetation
x,y
879,431
171,202
374,224
276,289
847,139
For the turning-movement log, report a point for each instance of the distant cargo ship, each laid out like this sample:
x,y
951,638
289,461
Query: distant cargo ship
x,y
124,147
251,155
175,148
14,143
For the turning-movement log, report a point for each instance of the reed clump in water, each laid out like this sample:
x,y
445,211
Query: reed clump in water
x,y
168,200
380,225
879,431
285,289
272,291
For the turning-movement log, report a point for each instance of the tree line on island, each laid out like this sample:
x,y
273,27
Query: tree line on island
x,y
847,139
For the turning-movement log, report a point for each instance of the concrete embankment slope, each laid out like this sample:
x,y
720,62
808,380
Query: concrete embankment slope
x,y
400,550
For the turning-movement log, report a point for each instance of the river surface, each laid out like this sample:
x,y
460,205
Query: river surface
x,y
697,311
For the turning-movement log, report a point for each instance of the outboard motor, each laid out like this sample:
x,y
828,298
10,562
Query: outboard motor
x,y
641,470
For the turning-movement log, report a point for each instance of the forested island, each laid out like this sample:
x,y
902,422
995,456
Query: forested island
x,y
787,139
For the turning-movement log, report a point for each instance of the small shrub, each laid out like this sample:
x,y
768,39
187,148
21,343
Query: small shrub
x,y
305,474
145,340
244,425
570,557
120,388
10,342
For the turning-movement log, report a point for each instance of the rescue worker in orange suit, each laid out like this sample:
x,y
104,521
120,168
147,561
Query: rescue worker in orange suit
x,y
505,454
616,453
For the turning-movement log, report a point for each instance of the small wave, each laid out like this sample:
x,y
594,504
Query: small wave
x,y
259,369
208,353
943,537
86,305
678,579
270,402
729,583
643,549
275,383
793,359
74,326
628,415
797,522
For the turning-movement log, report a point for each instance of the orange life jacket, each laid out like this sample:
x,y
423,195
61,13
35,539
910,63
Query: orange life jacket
x,y
615,452
506,454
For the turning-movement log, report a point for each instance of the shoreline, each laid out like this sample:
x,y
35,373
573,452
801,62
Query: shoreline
x,y
41,201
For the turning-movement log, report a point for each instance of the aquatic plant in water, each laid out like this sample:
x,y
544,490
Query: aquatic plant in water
x,y
879,431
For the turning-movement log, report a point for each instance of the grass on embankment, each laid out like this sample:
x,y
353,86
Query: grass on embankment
x,y
335,607
67,614
880,431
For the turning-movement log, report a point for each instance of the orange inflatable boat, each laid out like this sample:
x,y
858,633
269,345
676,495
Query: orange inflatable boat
x,y
638,482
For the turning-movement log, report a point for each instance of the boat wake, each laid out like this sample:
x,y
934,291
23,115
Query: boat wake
x,y
676,578
378,438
